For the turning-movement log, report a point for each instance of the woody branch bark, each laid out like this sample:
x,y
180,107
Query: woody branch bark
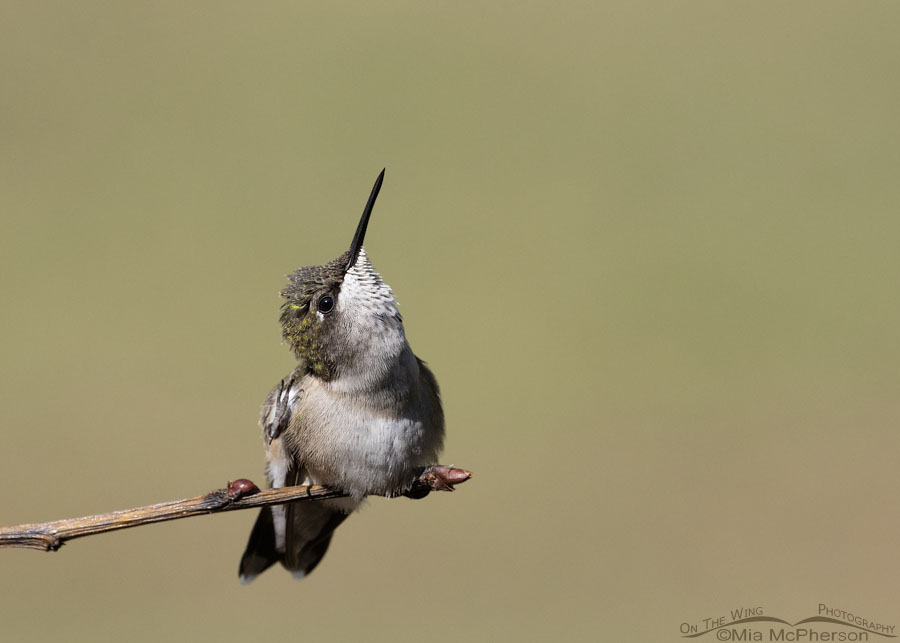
x,y
240,494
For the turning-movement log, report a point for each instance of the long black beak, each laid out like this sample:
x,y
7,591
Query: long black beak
x,y
364,222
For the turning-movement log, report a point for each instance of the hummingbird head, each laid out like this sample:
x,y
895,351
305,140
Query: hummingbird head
x,y
342,315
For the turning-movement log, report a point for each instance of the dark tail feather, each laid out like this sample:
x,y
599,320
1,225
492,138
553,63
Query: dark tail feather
x,y
260,553
308,533
309,530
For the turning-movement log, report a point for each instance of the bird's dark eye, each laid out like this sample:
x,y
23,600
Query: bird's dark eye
x,y
326,304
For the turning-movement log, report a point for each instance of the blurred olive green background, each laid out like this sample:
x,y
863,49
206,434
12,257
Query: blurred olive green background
x,y
650,250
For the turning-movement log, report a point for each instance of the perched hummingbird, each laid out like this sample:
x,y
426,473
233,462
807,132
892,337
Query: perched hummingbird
x,y
360,413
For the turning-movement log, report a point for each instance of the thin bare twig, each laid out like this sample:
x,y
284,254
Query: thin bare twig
x,y
240,494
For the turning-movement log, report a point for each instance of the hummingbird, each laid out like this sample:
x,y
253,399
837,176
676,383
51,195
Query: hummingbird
x,y
360,412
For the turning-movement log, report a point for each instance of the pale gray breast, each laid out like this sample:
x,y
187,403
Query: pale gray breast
x,y
372,442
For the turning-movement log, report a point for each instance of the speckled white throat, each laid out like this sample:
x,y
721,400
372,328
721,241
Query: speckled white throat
x,y
375,334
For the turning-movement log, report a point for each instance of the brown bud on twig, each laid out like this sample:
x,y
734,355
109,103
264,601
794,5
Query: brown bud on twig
x,y
442,477
242,488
